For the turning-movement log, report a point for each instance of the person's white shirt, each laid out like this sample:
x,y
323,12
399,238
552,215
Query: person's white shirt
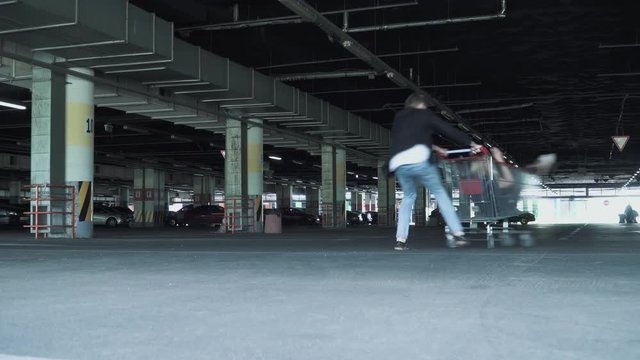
x,y
414,155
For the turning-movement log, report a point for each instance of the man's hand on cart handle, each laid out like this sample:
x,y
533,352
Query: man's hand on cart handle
x,y
440,151
475,148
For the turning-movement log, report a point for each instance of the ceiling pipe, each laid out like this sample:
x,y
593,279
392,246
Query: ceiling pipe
x,y
309,13
406,53
517,121
285,19
434,86
499,108
617,46
620,74
325,75
500,15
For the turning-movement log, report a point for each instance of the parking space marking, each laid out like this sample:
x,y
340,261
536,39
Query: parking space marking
x,y
573,233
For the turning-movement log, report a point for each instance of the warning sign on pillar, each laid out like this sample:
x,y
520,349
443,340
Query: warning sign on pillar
x,y
620,141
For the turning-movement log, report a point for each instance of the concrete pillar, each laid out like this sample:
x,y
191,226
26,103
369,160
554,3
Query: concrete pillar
x,y
235,170
149,197
79,139
386,196
283,195
243,185
15,192
333,186
420,207
203,189
312,200
369,204
48,143
255,175
359,202
353,200
125,193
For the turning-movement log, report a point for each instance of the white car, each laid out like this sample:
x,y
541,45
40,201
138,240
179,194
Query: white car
x,y
103,216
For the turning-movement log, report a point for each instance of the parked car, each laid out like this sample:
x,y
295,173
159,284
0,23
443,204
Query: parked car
x,y
371,217
124,211
175,218
190,215
106,216
355,218
293,216
523,218
12,215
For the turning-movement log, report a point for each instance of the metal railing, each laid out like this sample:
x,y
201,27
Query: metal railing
x,y
48,204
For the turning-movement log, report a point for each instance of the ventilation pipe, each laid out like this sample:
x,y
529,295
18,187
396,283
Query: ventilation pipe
x,y
500,15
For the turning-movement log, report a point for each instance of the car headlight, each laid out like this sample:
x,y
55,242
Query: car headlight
x,y
13,213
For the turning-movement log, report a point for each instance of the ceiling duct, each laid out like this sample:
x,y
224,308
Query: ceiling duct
x,y
114,37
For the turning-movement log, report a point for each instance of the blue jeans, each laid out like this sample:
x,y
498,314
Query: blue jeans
x,y
428,175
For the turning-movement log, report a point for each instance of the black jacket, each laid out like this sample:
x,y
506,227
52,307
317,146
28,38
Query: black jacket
x,y
417,126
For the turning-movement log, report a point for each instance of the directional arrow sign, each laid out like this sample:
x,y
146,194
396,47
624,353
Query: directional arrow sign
x,y
620,141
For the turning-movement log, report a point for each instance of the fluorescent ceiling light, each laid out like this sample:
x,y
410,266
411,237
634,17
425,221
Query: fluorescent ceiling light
x,y
13,106
273,157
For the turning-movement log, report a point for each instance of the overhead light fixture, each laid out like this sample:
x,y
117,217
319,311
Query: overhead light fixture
x,y
273,157
12,105
180,138
136,129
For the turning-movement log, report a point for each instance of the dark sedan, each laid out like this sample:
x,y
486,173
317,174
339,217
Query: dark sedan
x,y
205,215
293,216
523,218
355,218
11,215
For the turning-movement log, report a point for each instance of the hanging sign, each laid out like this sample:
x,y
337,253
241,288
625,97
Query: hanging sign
x,y
620,141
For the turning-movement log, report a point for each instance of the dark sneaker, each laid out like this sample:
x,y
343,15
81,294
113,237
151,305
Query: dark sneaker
x,y
455,241
400,246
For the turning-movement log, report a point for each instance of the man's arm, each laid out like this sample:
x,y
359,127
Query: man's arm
x,y
454,134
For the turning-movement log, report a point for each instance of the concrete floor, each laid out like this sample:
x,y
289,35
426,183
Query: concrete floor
x,y
313,294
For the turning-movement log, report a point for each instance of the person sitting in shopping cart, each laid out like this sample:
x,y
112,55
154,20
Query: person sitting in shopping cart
x,y
506,183
410,159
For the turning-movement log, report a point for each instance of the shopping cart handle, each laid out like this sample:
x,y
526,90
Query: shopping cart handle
x,y
458,151
469,151
483,151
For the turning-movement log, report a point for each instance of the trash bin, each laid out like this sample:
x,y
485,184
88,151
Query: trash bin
x,y
272,221
623,218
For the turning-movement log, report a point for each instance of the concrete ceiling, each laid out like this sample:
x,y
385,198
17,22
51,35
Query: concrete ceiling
x,y
546,78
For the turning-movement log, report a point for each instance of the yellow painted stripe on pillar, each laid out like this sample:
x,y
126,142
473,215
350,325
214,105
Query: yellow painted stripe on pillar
x,y
254,158
149,215
138,216
80,124
85,203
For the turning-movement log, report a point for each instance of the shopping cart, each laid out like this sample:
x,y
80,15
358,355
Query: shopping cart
x,y
488,192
